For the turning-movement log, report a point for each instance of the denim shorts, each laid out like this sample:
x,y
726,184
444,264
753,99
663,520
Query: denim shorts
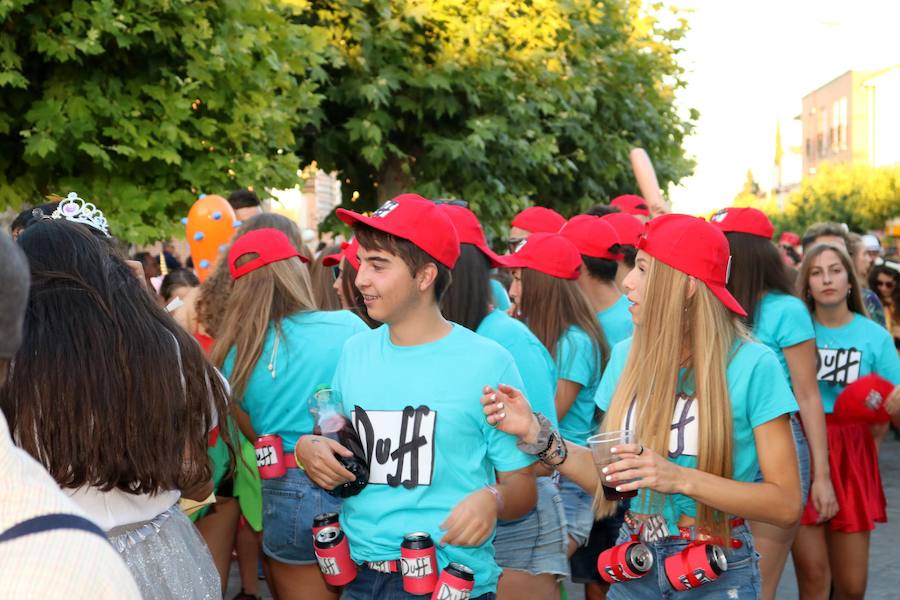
x,y
578,505
802,447
289,505
374,585
537,542
740,581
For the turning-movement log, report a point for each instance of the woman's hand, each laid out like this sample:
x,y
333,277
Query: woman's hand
x,y
509,411
640,467
892,406
825,502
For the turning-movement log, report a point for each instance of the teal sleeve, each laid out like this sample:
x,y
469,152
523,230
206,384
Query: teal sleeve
x,y
575,358
887,362
794,323
768,394
499,295
603,395
502,451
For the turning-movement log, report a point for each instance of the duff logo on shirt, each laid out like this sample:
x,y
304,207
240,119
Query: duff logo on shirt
x,y
399,444
838,365
684,434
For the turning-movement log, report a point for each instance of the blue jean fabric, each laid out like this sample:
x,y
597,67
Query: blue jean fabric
x,y
741,581
289,504
374,585
537,542
802,447
579,512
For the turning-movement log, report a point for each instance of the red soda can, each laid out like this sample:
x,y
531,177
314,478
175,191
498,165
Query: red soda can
x,y
270,456
323,520
418,563
630,560
333,554
455,583
695,565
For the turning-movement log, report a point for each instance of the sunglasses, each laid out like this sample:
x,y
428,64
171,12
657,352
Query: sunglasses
x,y
336,271
887,284
462,203
513,244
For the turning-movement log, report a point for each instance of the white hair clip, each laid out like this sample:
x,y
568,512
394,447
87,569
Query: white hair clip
x,y
73,208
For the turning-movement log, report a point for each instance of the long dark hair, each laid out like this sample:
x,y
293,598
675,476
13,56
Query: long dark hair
x,y
106,389
551,305
756,268
467,301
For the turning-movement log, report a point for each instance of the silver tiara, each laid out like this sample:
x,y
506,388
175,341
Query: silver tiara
x,y
73,208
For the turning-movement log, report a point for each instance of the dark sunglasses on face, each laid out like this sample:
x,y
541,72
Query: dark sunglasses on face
x,y
513,244
887,284
336,271
462,203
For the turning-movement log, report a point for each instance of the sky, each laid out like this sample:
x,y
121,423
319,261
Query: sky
x,y
749,64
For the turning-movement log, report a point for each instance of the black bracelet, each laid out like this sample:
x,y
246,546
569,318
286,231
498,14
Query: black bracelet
x,y
561,452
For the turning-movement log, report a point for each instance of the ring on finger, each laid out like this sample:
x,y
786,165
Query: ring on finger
x,y
642,450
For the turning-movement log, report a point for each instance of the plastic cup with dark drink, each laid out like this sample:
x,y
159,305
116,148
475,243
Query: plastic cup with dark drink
x,y
600,445
325,407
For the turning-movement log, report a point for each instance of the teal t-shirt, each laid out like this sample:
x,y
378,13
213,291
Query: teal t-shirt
x,y
758,392
576,361
534,363
616,322
418,413
847,353
782,321
499,295
309,346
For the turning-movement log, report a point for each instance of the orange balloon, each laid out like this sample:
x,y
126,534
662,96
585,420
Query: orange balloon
x,y
210,226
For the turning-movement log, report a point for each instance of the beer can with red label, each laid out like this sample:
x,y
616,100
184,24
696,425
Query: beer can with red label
x,y
630,560
323,520
695,565
418,563
333,554
455,583
270,457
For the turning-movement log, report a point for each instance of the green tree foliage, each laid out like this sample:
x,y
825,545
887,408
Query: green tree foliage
x,y
498,102
861,196
139,105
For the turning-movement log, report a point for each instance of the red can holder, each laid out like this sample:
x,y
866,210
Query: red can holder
x,y
455,583
418,563
631,560
698,564
270,456
333,555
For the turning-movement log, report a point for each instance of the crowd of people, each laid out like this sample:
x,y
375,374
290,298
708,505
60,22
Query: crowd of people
x,y
651,404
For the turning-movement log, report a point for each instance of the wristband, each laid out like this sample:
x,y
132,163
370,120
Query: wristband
x,y
556,457
497,496
544,438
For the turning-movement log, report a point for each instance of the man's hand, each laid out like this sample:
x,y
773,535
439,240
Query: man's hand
x,y
317,455
471,521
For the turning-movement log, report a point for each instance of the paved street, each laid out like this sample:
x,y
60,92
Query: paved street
x,y
884,563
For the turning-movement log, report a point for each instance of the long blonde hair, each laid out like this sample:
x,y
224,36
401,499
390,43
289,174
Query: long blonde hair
x,y
267,294
675,325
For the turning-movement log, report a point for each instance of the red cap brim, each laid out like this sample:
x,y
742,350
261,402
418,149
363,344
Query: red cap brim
x,y
727,299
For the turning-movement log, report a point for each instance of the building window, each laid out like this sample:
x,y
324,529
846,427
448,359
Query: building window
x,y
842,123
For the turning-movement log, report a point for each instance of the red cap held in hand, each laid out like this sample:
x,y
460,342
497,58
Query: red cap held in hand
x,y
864,400
549,253
348,251
415,219
537,219
694,247
469,229
592,236
743,220
631,205
627,227
270,245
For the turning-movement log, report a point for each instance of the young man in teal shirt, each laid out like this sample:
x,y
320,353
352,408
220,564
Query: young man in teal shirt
x,y
411,389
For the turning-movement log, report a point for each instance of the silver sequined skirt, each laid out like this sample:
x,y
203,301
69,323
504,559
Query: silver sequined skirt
x,y
168,558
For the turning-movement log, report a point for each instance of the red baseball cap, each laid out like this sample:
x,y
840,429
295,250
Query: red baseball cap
x,y
790,238
538,219
269,244
743,220
592,236
694,247
631,205
549,253
415,219
348,251
627,227
469,229
864,400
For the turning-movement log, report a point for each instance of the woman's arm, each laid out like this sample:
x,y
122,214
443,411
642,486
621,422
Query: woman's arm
x,y
566,393
801,360
776,500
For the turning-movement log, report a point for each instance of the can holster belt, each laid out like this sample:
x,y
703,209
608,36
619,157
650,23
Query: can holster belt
x,y
290,461
690,533
384,566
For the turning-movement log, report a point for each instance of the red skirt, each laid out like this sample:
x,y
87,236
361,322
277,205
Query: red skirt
x,y
855,476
